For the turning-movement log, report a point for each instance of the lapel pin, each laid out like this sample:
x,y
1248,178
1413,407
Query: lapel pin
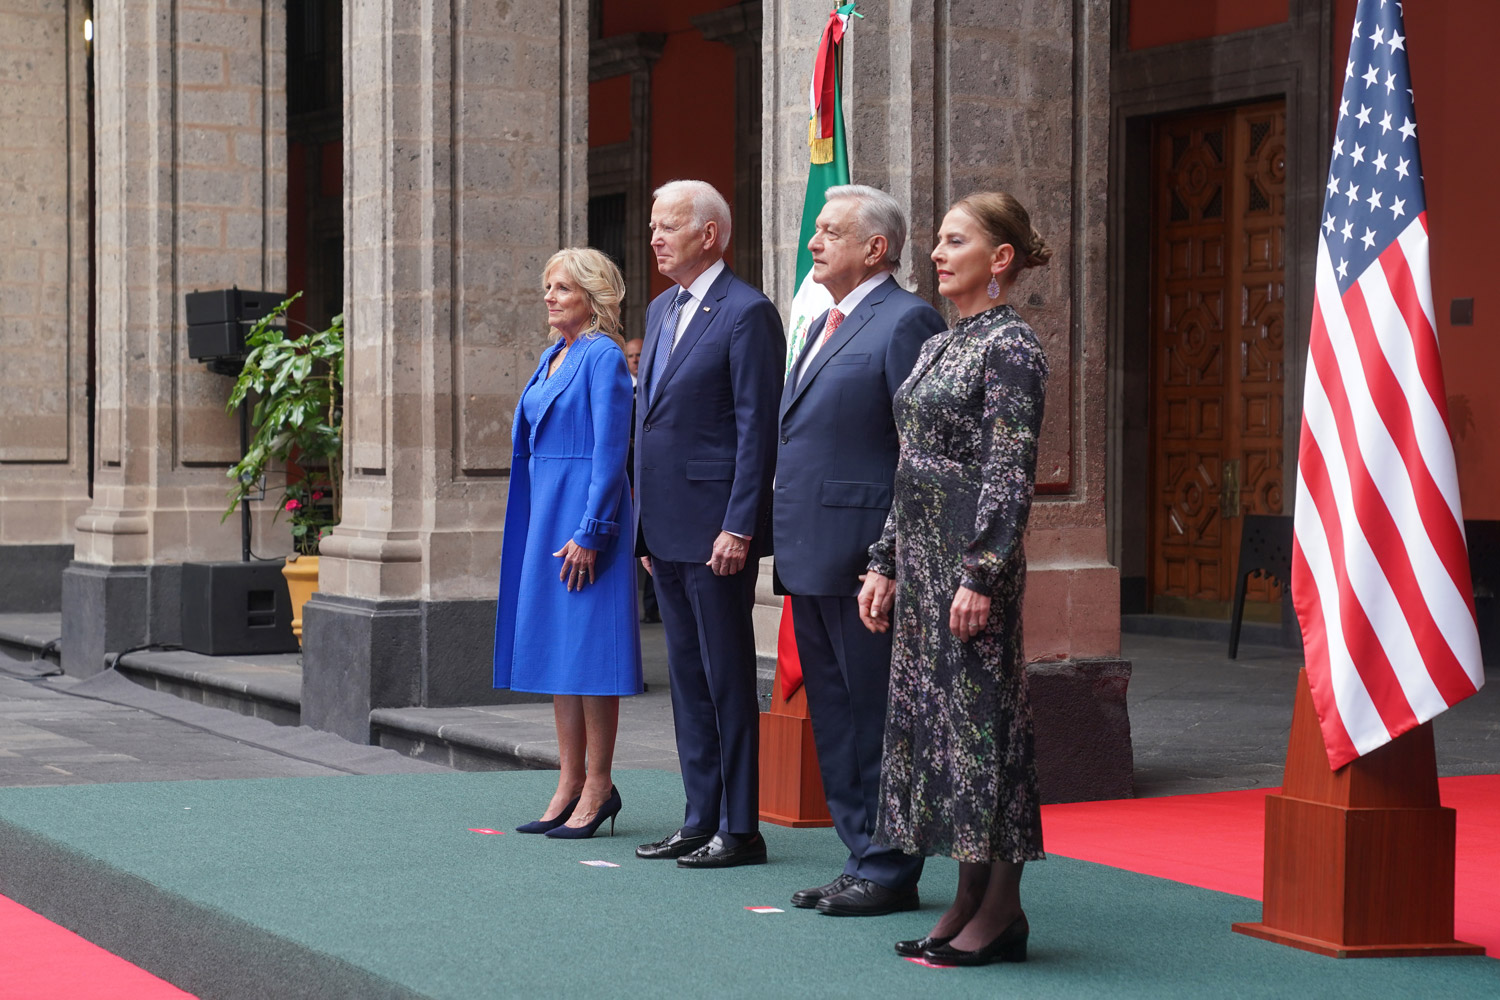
x,y
707,309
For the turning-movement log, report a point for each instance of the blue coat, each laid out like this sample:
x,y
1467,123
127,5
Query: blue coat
x,y
705,444
838,447
567,480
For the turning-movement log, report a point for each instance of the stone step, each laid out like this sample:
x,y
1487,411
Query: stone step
x,y
267,686
31,638
1209,629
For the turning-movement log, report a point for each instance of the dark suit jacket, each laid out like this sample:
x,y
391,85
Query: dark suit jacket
x,y
837,460
705,445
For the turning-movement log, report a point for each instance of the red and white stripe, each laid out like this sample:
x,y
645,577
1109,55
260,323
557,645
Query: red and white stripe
x,y
1380,570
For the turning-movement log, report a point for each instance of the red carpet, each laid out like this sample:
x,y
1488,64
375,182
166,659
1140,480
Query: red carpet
x,y
41,961
1216,841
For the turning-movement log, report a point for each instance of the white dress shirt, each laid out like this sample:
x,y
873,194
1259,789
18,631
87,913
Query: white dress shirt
x,y
697,291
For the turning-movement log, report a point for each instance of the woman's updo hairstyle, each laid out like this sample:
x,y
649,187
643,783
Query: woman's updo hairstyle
x,y
599,279
1007,221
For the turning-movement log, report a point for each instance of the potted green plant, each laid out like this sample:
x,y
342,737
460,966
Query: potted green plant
x,y
298,385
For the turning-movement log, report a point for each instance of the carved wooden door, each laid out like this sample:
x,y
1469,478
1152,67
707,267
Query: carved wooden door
x,y
1219,210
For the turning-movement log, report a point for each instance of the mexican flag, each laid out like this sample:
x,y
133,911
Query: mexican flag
x,y
828,166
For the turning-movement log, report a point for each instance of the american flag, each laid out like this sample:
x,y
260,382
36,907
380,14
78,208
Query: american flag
x,y
1380,572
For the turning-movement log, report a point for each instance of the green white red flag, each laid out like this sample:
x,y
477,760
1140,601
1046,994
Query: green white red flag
x,y
828,166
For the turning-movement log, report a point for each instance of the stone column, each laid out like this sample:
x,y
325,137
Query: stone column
x,y
465,168
191,193
44,298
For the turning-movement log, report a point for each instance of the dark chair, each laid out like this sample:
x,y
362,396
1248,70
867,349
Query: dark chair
x,y
1484,569
1265,547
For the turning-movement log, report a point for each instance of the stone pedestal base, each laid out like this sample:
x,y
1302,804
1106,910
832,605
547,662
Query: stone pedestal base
x,y
31,577
103,609
108,609
1083,749
359,655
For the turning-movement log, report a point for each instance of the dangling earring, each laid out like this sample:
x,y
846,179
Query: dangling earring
x,y
993,291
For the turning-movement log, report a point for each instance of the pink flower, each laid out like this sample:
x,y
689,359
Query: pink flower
x,y
293,505
317,495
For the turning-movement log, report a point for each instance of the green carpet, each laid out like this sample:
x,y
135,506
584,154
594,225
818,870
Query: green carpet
x,y
382,873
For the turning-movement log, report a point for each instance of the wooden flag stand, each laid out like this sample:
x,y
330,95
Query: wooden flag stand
x,y
791,789
1359,861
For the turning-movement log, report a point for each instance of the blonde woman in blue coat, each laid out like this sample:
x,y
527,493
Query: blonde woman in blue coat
x,y
566,621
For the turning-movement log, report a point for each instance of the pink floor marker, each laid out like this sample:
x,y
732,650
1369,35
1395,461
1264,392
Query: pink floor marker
x,y
599,864
765,909
926,964
480,829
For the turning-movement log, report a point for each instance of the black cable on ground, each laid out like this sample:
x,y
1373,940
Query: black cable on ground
x,y
161,647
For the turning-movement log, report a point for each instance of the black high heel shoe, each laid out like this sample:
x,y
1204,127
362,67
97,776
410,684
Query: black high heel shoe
x,y
608,811
1009,946
543,825
914,949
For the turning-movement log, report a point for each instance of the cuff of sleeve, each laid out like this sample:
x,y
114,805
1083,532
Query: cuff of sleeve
x,y
593,534
972,582
884,569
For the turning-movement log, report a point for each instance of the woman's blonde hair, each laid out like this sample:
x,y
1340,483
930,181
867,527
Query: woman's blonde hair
x,y
1007,221
600,280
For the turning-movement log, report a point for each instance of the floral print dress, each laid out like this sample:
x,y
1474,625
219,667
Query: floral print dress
x,y
959,773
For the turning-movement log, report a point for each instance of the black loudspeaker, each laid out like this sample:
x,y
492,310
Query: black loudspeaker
x,y
230,305
207,341
218,320
232,608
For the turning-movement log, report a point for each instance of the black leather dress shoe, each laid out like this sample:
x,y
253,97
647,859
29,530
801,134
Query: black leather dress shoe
x,y
868,899
808,898
674,845
1009,946
717,854
914,949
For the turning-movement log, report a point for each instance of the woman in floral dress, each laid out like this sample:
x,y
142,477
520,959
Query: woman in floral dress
x,y
959,776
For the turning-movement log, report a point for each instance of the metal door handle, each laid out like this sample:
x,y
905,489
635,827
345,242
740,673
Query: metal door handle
x,y
1230,496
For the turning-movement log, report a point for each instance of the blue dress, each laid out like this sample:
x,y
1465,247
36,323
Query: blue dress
x,y
567,480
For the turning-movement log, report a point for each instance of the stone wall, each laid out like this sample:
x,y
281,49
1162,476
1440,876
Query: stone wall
x,y
43,297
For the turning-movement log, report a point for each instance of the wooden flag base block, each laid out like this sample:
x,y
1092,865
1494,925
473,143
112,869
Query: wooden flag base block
x,y
1359,861
791,789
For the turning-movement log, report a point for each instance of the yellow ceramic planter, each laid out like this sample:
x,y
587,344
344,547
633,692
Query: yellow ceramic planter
x,y
301,574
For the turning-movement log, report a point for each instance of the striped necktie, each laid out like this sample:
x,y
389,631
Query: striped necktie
x,y
666,339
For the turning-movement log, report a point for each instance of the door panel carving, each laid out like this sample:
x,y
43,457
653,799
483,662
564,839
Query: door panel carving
x,y
1218,294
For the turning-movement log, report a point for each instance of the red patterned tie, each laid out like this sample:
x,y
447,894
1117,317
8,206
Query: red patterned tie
x,y
834,319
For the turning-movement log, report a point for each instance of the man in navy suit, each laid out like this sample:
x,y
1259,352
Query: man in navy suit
x,y
705,452
834,475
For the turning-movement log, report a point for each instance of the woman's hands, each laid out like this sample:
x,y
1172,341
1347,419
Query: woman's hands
x,y
968,615
578,565
875,600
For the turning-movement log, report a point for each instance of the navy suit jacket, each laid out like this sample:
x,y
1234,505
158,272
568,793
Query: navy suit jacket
x,y
705,443
836,466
